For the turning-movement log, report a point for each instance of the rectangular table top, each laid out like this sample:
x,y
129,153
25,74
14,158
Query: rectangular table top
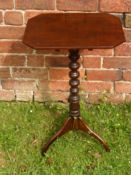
x,y
73,31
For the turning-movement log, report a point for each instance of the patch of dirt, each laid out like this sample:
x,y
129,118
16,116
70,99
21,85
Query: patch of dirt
x,y
49,161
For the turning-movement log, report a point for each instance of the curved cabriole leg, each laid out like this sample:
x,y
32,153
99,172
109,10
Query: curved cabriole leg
x,y
67,126
74,124
85,128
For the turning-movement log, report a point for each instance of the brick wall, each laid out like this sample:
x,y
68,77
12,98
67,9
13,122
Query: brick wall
x,y
27,74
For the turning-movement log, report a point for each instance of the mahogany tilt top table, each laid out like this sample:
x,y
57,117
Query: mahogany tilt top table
x,y
74,31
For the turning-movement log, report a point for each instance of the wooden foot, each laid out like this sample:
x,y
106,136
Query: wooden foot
x,y
65,128
84,127
74,124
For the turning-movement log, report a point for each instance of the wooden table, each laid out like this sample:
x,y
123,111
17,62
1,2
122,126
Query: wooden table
x,y
74,31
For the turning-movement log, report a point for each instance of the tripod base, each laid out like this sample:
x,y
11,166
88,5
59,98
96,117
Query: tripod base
x,y
74,124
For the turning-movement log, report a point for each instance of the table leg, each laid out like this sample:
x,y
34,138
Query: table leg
x,y
74,122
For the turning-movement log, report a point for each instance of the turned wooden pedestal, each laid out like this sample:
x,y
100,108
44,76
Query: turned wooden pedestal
x,y
74,121
74,31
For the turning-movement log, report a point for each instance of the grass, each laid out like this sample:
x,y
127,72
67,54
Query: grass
x,y
24,126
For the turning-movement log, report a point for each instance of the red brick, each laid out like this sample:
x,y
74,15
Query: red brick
x,y
96,86
98,98
115,5
63,74
30,73
32,13
56,61
6,4
127,75
59,96
91,62
5,73
59,85
41,96
128,98
98,52
6,95
127,20
13,18
117,62
36,60
94,98
127,35
106,75
123,87
115,98
11,32
54,86
14,47
12,60
24,95
123,49
59,74
43,85
35,4
84,5
18,85
1,17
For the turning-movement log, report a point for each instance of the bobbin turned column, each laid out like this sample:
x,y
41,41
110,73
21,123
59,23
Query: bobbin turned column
x,y
74,121
74,106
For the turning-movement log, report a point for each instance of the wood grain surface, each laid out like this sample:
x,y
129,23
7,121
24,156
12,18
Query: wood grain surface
x,y
73,31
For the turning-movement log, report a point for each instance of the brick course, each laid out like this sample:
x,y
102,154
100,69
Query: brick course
x,y
104,75
14,47
82,5
13,18
11,32
115,5
127,21
6,4
12,60
91,62
7,95
27,74
35,4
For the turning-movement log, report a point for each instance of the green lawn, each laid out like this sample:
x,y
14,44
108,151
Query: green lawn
x,y
24,126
